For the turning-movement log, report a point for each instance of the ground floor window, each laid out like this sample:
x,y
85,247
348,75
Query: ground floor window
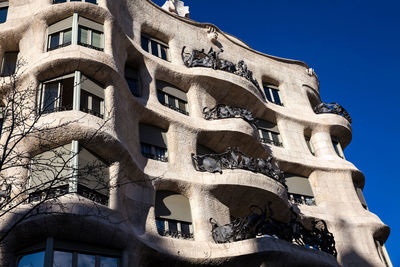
x,y
67,254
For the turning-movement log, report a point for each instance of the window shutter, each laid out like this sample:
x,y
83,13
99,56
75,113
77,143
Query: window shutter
x,y
152,135
91,87
174,206
269,126
171,90
90,24
298,185
60,26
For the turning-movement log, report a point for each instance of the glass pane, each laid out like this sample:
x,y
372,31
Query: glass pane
x,y
275,137
67,94
9,63
172,226
154,48
160,153
277,99
54,41
96,104
185,229
91,1
268,94
132,83
108,262
50,97
84,101
62,259
161,97
83,35
164,52
3,14
96,39
32,260
59,1
85,260
171,101
67,37
145,43
336,146
160,223
182,105
265,135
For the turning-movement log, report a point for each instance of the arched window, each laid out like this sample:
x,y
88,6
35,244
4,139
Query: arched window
x,y
173,215
153,142
155,47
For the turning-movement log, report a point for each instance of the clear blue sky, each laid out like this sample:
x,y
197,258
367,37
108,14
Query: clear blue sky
x,y
354,47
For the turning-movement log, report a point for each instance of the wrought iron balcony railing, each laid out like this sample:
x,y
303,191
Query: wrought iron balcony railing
x,y
333,108
199,58
222,111
234,159
261,222
59,46
92,195
300,199
91,46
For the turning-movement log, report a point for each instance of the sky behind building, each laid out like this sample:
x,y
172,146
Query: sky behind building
x,y
354,47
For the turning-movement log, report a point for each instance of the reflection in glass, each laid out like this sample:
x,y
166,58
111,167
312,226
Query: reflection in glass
x,y
108,262
85,260
32,260
62,259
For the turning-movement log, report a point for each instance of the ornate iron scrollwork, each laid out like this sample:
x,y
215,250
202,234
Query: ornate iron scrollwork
x,y
222,111
334,108
234,159
261,222
199,58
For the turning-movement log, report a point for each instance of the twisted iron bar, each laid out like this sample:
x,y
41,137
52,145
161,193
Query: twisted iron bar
x,y
233,158
199,58
261,222
222,111
333,108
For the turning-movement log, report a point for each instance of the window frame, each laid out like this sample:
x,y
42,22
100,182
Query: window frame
x,y
51,245
268,91
160,44
3,72
337,147
310,145
132,74
4,6
79,80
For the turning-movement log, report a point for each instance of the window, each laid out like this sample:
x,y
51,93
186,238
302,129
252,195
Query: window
x,y
64,1
63,33
310,145
132,78
269,133
173,215
3,12
153,142
9,64
299,190
360,196
155,47
337,147
63,93
272,94
69,169
172,97
68,254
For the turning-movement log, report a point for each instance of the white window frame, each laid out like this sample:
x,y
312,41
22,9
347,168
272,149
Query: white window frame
x,y
260,132
159,44
154,153
269,88
176,107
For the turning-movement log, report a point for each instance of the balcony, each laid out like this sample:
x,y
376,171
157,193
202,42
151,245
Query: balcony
x,y
262,223
234,159
333,108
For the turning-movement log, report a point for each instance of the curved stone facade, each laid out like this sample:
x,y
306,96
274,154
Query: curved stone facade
x,y
127,226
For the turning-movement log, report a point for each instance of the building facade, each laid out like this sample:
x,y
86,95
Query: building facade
x,y
204,151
